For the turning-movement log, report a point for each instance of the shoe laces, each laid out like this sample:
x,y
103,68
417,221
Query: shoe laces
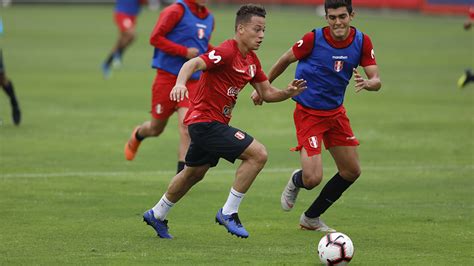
x,y
235,217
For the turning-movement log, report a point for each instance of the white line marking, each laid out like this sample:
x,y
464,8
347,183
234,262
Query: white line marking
x,y
230,171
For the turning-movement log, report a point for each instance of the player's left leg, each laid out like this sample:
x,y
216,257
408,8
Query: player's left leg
x,y
347,162
465,78
126,26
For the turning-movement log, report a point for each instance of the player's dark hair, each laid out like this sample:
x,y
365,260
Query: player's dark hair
x,y
246,12
335,4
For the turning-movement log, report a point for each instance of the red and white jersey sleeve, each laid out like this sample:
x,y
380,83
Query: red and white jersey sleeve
x,y
227,72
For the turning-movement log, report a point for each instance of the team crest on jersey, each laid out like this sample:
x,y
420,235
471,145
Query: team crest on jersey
x,y
313,142
239,135
338,65
201,33
158,109
252,70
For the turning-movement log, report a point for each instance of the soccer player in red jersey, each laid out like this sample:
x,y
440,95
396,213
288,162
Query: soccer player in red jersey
x,y
468,76
327,58
182,32
227,69
125,16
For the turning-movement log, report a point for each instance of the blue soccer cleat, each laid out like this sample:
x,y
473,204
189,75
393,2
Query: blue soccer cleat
x,y
161,227
117,61
232,223
106,71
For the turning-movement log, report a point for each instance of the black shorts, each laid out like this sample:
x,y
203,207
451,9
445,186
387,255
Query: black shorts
x,y
213,140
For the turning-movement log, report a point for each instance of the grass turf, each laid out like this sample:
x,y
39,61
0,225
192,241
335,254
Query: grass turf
x,y
68,196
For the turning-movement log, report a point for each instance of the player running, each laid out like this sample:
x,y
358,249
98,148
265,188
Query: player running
x,y
182,32
327,58
227,69
126,12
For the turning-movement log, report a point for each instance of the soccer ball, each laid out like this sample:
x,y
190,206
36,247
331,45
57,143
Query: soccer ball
x,y
335,249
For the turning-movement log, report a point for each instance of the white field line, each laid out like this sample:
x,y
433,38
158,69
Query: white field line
x,y
230,171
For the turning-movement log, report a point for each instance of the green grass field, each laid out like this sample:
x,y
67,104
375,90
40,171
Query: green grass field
x,y
67,195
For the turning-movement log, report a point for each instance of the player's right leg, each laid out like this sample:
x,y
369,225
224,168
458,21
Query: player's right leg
x,y
8,88
308,177
178,187
151,128
253,159
161,109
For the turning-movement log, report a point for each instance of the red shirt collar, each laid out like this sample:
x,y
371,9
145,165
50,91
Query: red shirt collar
x,y
338,44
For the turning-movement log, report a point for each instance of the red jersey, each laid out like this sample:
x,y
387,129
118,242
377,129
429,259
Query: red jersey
x,y
304,47
227,72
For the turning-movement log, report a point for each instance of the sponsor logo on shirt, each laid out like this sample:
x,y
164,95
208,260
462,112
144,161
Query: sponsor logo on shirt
x,y
233,91
239,135
340,57
216,58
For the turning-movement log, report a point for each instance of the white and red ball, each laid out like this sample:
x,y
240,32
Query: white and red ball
x,y
335,249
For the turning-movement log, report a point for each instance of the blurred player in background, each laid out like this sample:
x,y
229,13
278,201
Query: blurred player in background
x,y
182,32
467,76
227,69
125,15
8,88
327,58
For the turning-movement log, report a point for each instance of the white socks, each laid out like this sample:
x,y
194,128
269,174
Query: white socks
x,y
162,208
233,202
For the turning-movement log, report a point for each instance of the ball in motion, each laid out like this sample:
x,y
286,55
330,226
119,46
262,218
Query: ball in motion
x,y
335,249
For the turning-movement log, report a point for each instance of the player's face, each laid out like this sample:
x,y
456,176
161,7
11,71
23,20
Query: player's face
x,y
201,2
339,21
253,32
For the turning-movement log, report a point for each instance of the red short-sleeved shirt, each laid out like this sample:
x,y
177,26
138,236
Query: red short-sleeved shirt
x,y
227,73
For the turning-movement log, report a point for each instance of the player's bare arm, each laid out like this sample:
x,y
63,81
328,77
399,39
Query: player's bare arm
x,y
279,67
372,83
179,90
268,93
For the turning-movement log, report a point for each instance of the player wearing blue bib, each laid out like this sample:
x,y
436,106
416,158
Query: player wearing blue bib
x,y
125,16
327,60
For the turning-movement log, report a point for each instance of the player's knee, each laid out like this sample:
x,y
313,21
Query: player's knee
x,y
351,174
156,131
311,181
261,155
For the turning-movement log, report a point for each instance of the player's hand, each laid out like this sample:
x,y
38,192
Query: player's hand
x,y
257,100
192,52
361,83
178,93
296,87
